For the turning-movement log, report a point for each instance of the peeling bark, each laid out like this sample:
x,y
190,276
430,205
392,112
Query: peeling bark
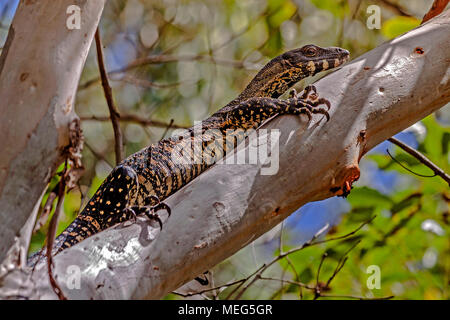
x,y
40,67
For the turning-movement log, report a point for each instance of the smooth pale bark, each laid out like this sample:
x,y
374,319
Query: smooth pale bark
x,y
373,97
40,67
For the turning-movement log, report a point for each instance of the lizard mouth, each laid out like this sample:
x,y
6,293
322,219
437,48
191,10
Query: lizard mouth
x,y
327,63
342,59
319,65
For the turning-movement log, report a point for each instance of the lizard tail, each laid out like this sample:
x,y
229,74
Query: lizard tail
x,y
104,209
78,230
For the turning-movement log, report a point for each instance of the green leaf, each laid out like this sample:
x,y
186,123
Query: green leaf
x,y
282,13
380,159
404,158
445,143
365,197
337,8
432,144
405,203
306,275
360,214
398,25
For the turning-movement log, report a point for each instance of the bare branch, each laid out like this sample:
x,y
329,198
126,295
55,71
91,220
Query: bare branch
x,y
341,264
437,8
51,235
419,156
395,8
158,59
48,206
146,83
136,119
113,112
312,242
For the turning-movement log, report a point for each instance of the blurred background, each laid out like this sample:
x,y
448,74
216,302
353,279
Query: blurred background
x,y
175,62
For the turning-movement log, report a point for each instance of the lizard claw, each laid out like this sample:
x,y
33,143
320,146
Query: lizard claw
x,y
307,92
322,111
149,210
292,93
311,101
158,205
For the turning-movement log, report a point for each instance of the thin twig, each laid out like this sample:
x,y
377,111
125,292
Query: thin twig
x,y
302,285
297,276
395,7
402,222
318,287
245,279
113,113
159,59
169,126
190,294
419,156
407,169
135,119
280,250
52,232
98,155
47,208
437,7
255,278
310,243
345,235
243,30
341,263
297,283
148,84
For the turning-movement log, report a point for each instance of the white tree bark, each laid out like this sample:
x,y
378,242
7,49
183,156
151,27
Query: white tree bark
x,y
40,67
373,97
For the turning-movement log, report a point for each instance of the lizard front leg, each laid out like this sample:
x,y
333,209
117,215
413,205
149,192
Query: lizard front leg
x,y
312,100
251,113
149,210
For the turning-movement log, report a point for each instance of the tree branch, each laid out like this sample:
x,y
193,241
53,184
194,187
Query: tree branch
x,y
158,59
38,81
419,156
437,7
113,112
135,119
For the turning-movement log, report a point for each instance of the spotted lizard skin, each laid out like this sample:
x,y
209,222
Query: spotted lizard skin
x,y
155,172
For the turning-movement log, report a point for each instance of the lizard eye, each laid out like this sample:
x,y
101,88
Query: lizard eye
x,y
310,51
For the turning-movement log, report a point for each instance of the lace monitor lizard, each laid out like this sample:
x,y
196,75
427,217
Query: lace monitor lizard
x,y
141,181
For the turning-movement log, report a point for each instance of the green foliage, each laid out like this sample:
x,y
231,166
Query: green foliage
x,y
398,25
339,8
394,241
282,11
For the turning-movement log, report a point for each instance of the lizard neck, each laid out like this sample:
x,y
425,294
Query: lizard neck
x,y
271,81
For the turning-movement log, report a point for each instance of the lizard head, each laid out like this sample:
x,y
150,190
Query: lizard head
x,y
311,59
284,71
